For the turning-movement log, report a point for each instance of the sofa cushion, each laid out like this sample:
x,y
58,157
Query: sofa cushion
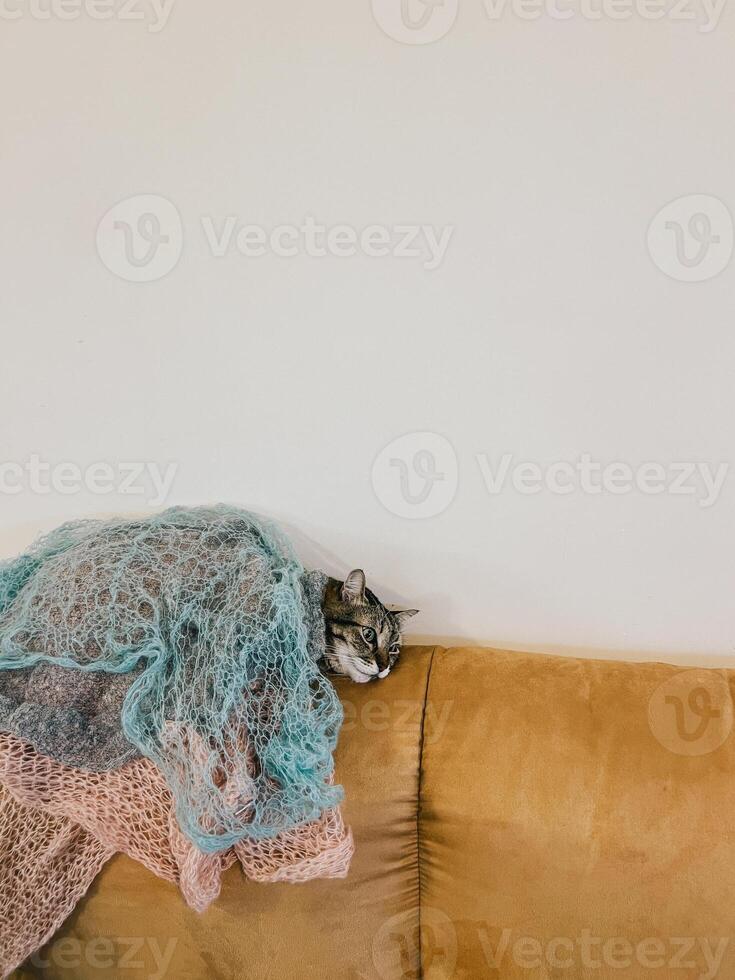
x,y
577,819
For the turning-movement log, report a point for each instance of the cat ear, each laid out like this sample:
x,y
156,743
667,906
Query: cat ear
x,y
353,587
403,615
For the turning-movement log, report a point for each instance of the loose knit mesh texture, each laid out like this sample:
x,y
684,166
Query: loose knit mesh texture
x,y
47,863
59,825
206,611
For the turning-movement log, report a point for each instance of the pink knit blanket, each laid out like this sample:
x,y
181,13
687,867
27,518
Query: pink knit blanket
x,y
58,827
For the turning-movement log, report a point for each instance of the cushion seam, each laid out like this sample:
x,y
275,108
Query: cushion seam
x,y
418,809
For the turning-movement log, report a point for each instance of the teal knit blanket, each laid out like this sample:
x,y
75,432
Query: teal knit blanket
x,y
207,631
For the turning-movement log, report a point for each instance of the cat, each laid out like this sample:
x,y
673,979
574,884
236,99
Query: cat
x,y
363,637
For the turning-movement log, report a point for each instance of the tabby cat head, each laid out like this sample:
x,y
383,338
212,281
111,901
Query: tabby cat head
x,y
363,637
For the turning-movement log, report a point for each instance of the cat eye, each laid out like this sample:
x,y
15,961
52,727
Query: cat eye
x,y
368,634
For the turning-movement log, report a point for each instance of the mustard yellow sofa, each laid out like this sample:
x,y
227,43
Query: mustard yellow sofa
x,y
514,816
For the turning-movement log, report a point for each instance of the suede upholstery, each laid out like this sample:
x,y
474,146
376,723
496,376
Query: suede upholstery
x,y
514,816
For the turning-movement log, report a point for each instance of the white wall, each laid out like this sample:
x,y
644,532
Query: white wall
x,y
548,330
